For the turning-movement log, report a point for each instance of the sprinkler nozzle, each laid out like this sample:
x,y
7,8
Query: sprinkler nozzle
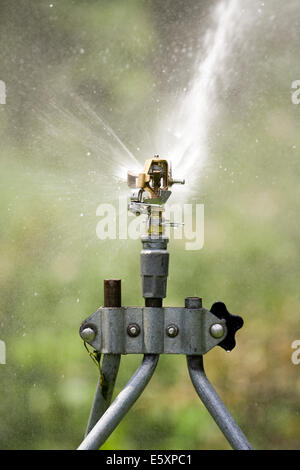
x,y
151,186
150,191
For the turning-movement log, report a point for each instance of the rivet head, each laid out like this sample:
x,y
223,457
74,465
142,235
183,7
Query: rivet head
x,y
133,330
172,331
88,334
217,330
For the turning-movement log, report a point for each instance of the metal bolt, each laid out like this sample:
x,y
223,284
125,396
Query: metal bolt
x,y
217,330
88,334
172,331
133,330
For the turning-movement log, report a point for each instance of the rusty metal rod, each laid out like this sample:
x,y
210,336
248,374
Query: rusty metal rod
x,y
112,293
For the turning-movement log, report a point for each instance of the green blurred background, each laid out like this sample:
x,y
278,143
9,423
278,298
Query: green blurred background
x,y
127,61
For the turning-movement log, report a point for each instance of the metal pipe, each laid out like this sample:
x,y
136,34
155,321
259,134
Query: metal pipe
x,y
121,405
153,302
110,364
103,394
215,406
112,293
154,262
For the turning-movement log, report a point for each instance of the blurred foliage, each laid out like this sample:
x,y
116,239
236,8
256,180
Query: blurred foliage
x,y
119,57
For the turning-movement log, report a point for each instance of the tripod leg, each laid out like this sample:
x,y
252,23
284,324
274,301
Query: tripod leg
x,y
215,406
102,399
121,405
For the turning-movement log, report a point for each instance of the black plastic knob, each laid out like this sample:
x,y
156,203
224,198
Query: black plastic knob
x,y
233,323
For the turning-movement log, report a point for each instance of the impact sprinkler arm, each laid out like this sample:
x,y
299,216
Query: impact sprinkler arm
x,y
153,329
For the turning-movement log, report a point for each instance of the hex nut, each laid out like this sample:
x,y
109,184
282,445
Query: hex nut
x,y
133,330
172,331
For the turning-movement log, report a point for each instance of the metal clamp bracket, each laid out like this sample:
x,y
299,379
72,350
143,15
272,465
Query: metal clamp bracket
x,y
153,330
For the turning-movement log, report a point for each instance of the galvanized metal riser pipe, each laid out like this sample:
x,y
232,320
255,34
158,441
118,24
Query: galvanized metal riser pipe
x,y
103,394
111,362
215,406
121,405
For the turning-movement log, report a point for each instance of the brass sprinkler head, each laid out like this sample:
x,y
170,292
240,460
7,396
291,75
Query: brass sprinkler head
x,y
151,186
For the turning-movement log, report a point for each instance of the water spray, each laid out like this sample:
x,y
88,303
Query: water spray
x,y
151,330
